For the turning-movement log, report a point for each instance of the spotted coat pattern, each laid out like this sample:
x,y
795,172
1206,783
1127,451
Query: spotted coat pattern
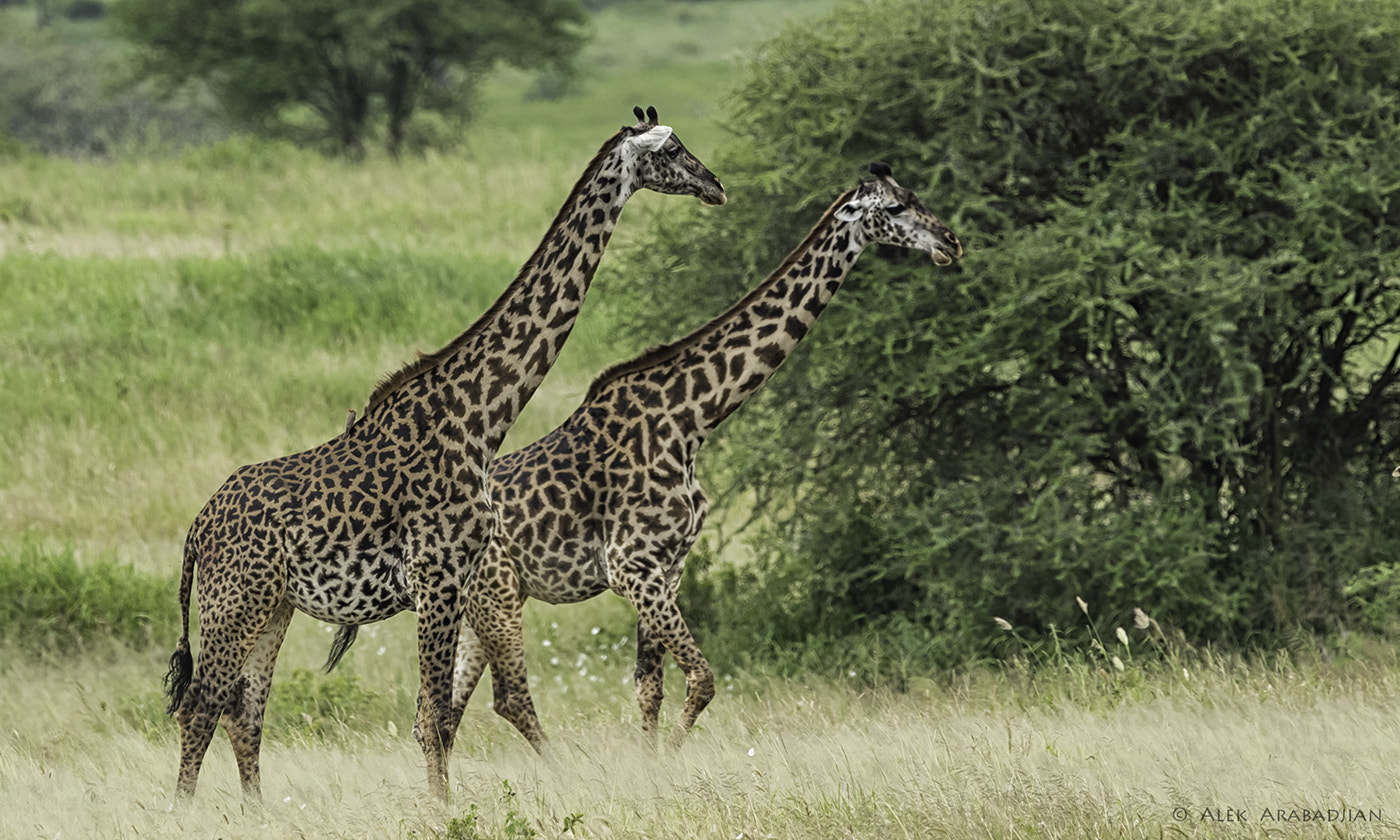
x,y
609,500
389,515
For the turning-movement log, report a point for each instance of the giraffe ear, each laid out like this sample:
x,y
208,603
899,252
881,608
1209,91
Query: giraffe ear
x,y
653,138
851,211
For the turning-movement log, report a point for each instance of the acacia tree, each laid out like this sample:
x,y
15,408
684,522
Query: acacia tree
x,y
351,62
1167,375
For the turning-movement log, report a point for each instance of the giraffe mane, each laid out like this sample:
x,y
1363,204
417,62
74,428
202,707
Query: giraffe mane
x,y
427,361
661,353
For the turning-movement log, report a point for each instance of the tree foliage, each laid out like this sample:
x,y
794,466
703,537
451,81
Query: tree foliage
x,y
1165,373
352,63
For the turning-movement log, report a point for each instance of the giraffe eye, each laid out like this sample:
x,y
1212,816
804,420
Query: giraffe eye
x,y
895,209
673,152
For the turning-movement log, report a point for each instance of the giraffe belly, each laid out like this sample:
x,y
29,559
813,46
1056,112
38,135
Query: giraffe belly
x,y
356,590
563,578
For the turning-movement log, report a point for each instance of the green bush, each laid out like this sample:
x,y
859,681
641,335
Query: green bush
x,y
322,707
52,603
1163,375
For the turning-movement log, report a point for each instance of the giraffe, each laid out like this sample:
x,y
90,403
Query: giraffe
x,y
388,515
610,500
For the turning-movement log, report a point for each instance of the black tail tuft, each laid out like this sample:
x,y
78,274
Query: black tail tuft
x,y
177,679
344,638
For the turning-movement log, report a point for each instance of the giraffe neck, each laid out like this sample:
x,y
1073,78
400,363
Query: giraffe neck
x,y
482,379
718,367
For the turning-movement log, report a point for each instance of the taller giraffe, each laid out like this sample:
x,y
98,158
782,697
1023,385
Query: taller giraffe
x,y
389,515
609,499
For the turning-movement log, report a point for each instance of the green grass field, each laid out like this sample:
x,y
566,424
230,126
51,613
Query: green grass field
x,y
167,320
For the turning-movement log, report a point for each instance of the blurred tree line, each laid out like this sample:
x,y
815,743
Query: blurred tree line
x,y
98,76
1164,375
347,65
66,88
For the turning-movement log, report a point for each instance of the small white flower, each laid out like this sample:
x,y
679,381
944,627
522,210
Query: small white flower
x,y
547,643
750,756
382,650
597,630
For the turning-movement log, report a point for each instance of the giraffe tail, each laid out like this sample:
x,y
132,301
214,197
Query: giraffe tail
x,y
344,638
177,679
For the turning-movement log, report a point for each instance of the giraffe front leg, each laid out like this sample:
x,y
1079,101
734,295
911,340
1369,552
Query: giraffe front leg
x,y
436,647
437,600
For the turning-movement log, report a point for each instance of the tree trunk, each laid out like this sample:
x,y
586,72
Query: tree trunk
x,y
400,102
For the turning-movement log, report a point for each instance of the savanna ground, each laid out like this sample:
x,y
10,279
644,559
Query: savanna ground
x,y
168,319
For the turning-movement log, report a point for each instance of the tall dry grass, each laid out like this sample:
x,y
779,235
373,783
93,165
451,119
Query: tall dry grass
x,y
1235,749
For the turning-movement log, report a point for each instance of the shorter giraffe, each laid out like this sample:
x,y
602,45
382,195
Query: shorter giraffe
x,y
609,499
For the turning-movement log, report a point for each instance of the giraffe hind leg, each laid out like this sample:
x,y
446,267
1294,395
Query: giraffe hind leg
x,y
649,678
510,687
244,721
493,635
233,615
471,664
661,629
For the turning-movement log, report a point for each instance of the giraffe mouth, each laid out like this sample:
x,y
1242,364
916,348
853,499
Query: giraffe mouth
x,y
941,257
711,192
714,198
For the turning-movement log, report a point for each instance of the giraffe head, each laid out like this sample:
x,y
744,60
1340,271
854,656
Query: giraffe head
x,y
664,164
892,215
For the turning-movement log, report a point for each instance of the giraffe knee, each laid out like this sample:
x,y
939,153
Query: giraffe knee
x,y
701,690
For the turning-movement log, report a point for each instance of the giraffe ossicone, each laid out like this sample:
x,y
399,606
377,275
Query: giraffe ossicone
x,y
609,500
391,514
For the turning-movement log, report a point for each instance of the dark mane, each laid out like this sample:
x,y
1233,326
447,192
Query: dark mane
x,y
662,353
427,361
